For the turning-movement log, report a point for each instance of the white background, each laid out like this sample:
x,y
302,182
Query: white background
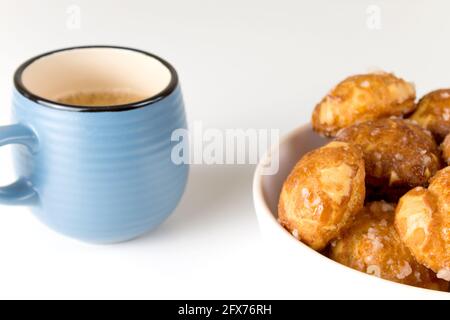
x,y
242,64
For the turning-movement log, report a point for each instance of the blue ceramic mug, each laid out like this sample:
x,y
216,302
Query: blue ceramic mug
x,y
97,173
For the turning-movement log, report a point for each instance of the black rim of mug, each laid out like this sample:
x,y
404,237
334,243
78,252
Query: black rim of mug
x,y
68,107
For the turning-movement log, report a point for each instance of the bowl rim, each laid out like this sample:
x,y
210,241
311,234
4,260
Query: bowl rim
x,y
262,209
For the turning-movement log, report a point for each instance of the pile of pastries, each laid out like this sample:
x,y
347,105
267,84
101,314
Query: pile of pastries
x,y
377,197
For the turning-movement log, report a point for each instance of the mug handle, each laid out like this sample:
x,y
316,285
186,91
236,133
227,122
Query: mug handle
x,y
20,192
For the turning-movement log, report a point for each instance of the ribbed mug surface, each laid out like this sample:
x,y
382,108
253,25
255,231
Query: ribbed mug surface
x,y
102,177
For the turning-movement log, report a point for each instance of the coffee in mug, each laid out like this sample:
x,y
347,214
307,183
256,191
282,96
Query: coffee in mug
x,y
100,98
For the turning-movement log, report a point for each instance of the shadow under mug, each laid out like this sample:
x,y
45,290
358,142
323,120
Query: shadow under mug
x,y
98,174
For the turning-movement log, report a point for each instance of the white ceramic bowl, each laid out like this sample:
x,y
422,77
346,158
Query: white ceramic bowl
x,y
306,273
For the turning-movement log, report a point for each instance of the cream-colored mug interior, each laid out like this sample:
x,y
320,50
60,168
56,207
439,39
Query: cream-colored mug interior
x,y
72,71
